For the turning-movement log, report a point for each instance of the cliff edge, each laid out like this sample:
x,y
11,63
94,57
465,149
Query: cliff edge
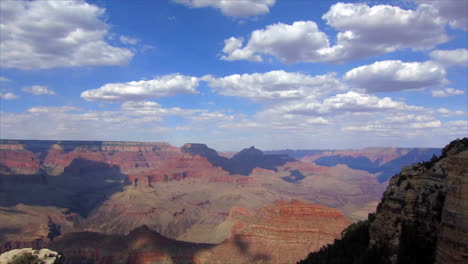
x,y
422,217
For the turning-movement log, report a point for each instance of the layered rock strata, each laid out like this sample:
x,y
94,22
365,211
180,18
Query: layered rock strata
x,y
428,202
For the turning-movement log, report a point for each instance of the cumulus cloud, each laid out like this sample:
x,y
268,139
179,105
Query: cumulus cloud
x,y
453,10
38,90
352,102
48,34
166,85
233,51
417,29
447,92
395,75
238,8
8,96
302,41
149,108
275,85
457,57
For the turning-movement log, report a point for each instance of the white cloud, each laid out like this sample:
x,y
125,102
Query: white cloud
x,y
38,90
341,103
447,92
457,57
426,125
3,79
48,34
446,112
233,51
237,8
128,40
211,116
395,75
52,109
133,121
275,85
8,96
148,108
166,85
387,29
301,41
453,10
383,127
407,118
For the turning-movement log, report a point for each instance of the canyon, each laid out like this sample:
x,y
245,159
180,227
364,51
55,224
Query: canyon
x,y
58,192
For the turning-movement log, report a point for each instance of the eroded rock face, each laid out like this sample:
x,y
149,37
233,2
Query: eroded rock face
x,y
427,203
279,233
115,187
452,244
274,234
27,157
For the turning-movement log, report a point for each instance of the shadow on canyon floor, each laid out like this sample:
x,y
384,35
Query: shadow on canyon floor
x,y
244,248
144,243
82,186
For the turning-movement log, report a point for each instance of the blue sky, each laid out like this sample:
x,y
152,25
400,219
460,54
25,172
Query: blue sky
x,y
275,74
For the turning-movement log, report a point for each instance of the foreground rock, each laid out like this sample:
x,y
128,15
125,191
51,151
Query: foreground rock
x,y
47,256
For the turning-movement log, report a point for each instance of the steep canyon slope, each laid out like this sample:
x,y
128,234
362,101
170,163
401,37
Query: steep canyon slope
x,y
422,217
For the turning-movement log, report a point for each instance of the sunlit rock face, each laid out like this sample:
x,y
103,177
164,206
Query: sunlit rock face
x,y
280,232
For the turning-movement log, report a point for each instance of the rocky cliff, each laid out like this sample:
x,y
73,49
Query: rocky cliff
x,y
422,217
426,204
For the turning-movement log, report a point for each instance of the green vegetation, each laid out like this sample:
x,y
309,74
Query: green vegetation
x,y
26,258
352,248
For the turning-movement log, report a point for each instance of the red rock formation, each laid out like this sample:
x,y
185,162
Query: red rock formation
x,y
17,160
278,233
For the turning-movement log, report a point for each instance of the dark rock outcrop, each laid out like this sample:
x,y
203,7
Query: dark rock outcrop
x,y
241,163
